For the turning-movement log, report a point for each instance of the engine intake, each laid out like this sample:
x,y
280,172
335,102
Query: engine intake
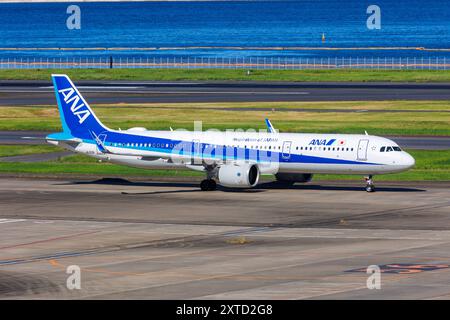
x,y
239,175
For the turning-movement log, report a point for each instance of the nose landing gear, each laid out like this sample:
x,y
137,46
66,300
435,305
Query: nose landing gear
x,y
370,187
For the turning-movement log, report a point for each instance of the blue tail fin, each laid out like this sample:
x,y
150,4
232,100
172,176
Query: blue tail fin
x,y
78,119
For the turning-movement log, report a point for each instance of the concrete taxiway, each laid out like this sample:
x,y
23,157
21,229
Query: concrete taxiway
x,y
155,240
41,92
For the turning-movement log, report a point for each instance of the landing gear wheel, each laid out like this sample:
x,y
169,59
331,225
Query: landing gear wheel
x,y
208,185
370,187
204,185
212,185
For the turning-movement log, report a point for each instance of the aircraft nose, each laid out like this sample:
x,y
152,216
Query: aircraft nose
x,y
408,160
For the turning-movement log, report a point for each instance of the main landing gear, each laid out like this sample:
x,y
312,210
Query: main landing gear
x,y
208,185
370,187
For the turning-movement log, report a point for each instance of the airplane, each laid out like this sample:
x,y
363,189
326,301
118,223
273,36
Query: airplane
x,y
233,159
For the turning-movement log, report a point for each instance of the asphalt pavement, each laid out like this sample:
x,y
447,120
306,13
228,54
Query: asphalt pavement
x,y
24,92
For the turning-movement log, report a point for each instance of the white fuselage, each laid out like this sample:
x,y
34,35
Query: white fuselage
x,y
274,152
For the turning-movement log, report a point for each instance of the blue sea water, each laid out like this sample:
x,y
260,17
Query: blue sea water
x,y
414,23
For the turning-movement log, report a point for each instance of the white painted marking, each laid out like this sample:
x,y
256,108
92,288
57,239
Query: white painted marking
x,y
43,222
158,83
11,220
98,87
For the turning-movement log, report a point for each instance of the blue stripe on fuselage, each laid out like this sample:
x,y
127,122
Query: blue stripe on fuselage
x,y
168,146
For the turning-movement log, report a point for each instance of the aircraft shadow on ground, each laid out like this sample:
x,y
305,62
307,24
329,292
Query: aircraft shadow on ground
x,y
265,186
361,187
124,182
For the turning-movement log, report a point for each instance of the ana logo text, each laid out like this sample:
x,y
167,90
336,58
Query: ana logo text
x,y
321,142
70,98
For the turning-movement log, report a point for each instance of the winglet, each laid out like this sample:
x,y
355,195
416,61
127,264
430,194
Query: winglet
x,y
270,127
98,140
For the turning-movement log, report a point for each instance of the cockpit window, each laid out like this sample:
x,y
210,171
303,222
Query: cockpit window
x,y
389,148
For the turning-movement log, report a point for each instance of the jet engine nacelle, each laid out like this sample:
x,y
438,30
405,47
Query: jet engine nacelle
x,y
294,177
239,175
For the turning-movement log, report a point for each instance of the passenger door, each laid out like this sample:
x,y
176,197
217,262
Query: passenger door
x,y
286,152
362,149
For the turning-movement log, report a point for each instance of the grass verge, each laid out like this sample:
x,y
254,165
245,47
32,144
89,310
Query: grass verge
x,y
232,74
410,118
21,150
431,165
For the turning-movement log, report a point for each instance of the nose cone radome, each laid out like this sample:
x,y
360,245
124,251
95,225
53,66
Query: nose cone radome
x,y
408,161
